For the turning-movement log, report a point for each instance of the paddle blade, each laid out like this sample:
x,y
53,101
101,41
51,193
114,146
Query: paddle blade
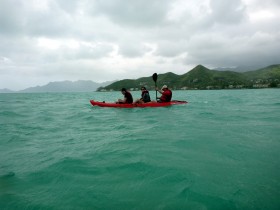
x,y
155,77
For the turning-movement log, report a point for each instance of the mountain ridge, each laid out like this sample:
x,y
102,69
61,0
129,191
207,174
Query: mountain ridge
x,y
201,77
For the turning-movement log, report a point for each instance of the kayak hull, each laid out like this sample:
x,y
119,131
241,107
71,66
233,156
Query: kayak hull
x,y
149,104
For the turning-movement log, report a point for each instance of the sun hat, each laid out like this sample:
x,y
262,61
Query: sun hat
x,y
164,87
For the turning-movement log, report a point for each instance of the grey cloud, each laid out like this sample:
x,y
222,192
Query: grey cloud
x,y
11,17
267,3
17,17
135,48
49,25
52,22
218,51
70,6
171,48
19,49
134,13
132,50
87,52
227,12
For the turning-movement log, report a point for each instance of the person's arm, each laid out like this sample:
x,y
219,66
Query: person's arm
x,y
160,91
122,100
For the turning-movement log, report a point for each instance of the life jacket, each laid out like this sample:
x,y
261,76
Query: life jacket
x,y
146,96
166,96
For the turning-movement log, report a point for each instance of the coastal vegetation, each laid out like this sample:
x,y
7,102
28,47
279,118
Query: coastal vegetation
x,y
203,78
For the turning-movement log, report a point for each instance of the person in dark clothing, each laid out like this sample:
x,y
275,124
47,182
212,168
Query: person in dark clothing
x,y
145,96
128,99
166,94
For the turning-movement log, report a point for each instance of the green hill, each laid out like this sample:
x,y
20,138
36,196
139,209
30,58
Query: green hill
x,y
270,72
201,77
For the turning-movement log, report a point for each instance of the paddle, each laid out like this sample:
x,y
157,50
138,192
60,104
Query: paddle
x,y
155,80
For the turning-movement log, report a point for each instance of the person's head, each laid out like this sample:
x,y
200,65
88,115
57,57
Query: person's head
x,y
143,88
123,90
164,87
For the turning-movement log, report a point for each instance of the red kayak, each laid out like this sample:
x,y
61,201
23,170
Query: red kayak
x,y
149,104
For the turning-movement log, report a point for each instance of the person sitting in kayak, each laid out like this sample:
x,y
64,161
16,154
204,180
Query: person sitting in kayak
x,y
145,96
127,97
166,94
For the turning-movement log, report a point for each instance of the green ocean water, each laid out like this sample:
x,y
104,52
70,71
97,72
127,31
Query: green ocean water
x,y
219,151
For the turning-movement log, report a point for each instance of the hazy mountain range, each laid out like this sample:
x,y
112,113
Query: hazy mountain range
x,y
63,86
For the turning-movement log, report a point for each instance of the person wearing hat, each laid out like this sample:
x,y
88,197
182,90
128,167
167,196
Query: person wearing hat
x,y
166,94
127,97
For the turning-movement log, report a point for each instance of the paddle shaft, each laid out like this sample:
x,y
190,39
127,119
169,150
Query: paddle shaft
x,y
155,80
156,90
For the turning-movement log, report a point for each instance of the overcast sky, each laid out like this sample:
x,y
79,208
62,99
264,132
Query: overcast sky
x,y
105,40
